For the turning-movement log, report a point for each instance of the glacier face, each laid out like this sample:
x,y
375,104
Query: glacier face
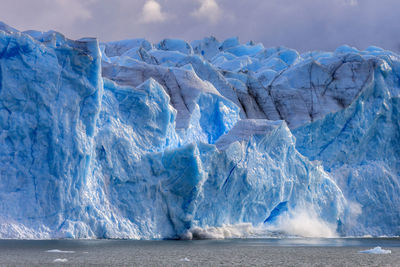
x,y
360,147
130,139
50,99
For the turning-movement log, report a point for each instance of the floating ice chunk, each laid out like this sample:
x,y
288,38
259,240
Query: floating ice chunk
x,y
376,250
60,260
59,251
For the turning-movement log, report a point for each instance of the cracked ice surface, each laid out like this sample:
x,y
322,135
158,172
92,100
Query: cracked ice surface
x,y
130,139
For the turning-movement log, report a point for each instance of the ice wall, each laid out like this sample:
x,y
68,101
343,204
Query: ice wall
x,y
50,95
360,147
130,139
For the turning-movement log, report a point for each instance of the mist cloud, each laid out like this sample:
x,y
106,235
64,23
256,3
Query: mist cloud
x,y
208,10
300,24
151,12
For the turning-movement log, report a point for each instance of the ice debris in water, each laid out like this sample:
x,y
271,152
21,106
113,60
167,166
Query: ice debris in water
x,y
376,250
59,251
130,139
60,260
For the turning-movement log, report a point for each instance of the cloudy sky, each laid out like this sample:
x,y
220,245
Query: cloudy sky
x,y
300,24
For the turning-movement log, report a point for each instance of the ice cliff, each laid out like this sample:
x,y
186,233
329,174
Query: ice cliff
x,y
130,139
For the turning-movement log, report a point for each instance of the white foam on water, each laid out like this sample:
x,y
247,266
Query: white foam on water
x,y
60,260
376,250
303,222
185,259
59,251
241,230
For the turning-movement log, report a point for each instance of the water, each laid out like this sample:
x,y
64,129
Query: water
x,y
238,252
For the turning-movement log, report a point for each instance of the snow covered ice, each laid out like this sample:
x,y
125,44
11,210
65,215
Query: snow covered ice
x,y
130,139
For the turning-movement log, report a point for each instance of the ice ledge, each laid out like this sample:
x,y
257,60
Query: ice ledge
x,y
244,129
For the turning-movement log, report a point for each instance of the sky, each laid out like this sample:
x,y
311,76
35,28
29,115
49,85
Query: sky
x,y
300,24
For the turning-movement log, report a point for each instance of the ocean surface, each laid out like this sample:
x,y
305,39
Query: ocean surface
x,y
236,252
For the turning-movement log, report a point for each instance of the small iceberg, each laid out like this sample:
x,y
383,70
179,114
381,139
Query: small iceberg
x,y
60,260
59,251
376,250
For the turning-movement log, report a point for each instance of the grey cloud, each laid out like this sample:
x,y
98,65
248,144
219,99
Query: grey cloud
x,y
300,24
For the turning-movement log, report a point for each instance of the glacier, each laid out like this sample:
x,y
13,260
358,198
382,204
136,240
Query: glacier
x,y
208,139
